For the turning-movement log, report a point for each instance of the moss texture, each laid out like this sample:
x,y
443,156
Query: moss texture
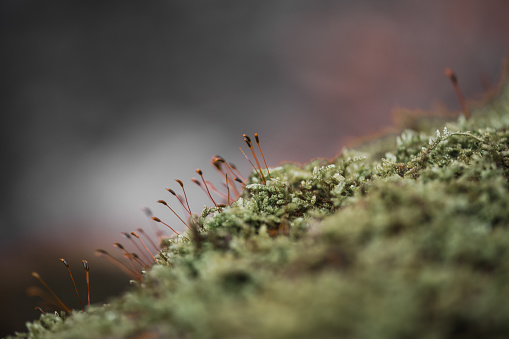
x,y
407,237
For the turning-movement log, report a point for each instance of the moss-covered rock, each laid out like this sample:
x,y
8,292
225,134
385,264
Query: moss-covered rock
x,y
414,244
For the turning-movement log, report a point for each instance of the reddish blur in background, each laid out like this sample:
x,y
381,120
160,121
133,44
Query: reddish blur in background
x,y
104,103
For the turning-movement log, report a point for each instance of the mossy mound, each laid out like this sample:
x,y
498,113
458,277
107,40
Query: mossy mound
x,y
414,244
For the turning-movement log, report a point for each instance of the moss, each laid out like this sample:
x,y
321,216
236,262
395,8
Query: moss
x,y
414,244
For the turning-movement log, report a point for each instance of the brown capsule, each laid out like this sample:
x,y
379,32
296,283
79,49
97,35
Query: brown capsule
x,y
206,187
217,165
180,183
85,266
219,158
248,143
143,244
143,233
161,202
73,282
147,211
248,139
451,75
119,245
100,252
259,172
454,80
188,209
38,277
156,219
263,156
162,222
122,266
171,191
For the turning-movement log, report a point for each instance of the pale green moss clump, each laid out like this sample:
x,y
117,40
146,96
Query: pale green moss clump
x,y
414,244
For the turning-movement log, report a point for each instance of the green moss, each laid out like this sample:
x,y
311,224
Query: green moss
x,y
414,244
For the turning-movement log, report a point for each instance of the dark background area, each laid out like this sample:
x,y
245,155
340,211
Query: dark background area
x,y
104,103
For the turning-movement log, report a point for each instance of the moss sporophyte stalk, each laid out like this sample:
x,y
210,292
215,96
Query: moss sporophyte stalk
x,y
404,237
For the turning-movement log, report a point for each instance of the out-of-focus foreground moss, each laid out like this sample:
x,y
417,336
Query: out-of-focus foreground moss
x,y
407,238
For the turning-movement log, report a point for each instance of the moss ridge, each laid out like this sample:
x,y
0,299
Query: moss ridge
x,y
414,244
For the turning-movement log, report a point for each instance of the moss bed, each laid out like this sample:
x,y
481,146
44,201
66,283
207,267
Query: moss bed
x,y
406,237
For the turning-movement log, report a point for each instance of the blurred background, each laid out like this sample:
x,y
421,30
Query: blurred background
x,y
105,103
